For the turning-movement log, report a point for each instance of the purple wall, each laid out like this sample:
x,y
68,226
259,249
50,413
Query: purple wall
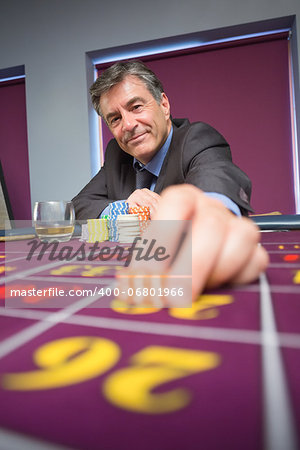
x,y
243,91
13,147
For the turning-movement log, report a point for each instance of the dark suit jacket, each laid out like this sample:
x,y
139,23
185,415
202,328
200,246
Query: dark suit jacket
x,y
198,155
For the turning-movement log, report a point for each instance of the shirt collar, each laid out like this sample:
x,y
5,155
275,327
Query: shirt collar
x,y
154,166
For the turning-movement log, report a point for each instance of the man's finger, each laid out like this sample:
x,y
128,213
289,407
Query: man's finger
x,y
205,235
257,264
143,198
240,244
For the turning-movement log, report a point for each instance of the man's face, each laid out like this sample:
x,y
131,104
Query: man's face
x,y
139,124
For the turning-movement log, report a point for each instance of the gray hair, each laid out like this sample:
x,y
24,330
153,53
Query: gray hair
x,y
117,72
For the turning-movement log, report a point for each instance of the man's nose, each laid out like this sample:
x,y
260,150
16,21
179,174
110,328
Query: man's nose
x,y
128,121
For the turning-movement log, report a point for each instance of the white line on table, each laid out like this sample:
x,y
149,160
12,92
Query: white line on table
x,y
280,430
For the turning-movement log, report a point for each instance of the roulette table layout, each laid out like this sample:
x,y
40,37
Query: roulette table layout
x,y
81,370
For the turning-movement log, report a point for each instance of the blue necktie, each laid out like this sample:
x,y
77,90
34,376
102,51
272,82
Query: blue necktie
x,y
143,179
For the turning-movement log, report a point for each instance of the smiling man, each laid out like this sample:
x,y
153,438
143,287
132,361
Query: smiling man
x,y
150,152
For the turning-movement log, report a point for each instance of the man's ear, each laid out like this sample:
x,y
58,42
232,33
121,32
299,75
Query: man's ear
x,y
165,105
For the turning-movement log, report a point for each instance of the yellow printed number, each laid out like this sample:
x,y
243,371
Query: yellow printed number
x,y
123,308
296,279
65,362
132,388
206,307
4,269
64,270
94,271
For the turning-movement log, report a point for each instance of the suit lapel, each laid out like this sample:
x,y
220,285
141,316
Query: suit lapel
x,y
127,181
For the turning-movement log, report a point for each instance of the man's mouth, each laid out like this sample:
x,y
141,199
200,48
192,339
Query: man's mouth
x,y
136,137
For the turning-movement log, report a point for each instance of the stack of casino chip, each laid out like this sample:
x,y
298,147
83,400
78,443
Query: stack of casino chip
x,y
143,213
115,210
128,227
96,230
84,232
123,224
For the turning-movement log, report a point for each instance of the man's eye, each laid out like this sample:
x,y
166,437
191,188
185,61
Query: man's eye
x,y
114,120
137,107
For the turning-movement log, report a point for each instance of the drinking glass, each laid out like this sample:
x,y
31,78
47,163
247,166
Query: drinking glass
x,y
54,220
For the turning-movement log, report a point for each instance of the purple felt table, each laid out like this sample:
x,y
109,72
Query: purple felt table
x,y
86,373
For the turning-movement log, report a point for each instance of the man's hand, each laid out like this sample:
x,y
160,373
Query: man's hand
x,y
224,248
144,197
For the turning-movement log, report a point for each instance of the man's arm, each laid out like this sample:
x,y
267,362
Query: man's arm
x,y
92,199
233,207
208,165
